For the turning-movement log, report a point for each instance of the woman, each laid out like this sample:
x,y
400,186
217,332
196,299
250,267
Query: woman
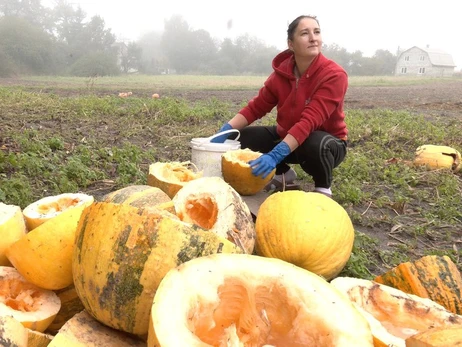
x,y
308,90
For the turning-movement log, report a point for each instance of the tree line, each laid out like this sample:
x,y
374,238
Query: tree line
x,y
62,40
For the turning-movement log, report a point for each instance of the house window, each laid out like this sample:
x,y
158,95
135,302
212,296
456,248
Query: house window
x,y
406,58
422,58
404,70
421,70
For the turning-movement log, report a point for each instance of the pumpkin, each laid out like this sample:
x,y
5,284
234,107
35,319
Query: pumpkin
x,y
49,207
123,252
34,307
309,230
12,228
438,157
393,314
247,300
44,255
437,337
83,330
12,333
432,276
170,177
70,305
214,205
238,174
141,196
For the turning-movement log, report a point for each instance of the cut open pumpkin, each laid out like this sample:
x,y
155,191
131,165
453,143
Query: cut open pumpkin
x,y
171,176
238,173
12,228
34,307
247,300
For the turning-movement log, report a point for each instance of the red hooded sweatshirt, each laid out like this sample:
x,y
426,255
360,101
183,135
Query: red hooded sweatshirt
x,y
313,102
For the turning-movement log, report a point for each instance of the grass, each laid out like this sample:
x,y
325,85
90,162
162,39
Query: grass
x,y
56,142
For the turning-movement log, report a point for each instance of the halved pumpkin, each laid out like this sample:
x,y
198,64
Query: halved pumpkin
x,y
432,276
49,207
123,252
83,330
34,307
12,228
437,337
238,173
309,230
38,339
394,315
70,305
247,300
171,176
214,205
44,255
438,157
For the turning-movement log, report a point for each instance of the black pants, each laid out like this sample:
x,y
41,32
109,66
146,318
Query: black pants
x,y
317,156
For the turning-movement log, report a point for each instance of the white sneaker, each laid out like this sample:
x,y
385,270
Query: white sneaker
x,y
281,182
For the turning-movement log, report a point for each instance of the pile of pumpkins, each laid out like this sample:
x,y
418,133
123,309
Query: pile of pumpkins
x,y
180,261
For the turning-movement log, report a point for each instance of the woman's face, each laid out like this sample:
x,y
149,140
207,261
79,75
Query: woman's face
x,y
307,40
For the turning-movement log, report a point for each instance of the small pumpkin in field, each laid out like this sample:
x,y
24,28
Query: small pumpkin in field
x,y
141,196
309,230
393,314
214,205
170,177
12,228
34,307
49,207
432,276
122,253
246,300
238,173
438,157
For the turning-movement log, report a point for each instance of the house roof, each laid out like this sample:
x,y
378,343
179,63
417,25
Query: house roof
x,y
437,56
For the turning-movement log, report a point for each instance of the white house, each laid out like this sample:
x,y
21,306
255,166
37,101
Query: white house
x,y
427,61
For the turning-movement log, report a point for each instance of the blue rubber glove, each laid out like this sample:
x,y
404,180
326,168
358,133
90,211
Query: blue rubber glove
x,y
263,165
222,138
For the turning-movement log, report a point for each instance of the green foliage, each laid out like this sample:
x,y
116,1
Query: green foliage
x,y
95,64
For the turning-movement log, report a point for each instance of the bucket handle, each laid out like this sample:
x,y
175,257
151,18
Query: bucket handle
x,y
226,132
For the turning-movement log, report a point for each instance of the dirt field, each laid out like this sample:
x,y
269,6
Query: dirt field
x,y
436,99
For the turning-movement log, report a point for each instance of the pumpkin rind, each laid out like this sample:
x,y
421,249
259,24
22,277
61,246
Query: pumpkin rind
x,y
247,300
12,228
437,337
83,330
434,277
12,332
34,307
122,253
393,314
212,204
309,230
238,173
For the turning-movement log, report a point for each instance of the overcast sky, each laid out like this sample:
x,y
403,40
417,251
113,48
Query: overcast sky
x,y
363,25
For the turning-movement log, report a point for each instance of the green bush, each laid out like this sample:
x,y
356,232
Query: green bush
x,y
95,64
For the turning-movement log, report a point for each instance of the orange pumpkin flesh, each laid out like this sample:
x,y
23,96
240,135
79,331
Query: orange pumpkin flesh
x,y
34,307
246,300
238,173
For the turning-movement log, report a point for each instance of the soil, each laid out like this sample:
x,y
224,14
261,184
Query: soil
x,y
435,99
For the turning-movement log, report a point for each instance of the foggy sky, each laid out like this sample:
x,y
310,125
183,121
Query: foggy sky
x,y
362,25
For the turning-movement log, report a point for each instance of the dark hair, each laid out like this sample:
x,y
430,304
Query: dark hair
x,y
294,25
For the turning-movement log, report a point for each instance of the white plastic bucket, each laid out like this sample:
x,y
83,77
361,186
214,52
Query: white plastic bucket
x,y
206,155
